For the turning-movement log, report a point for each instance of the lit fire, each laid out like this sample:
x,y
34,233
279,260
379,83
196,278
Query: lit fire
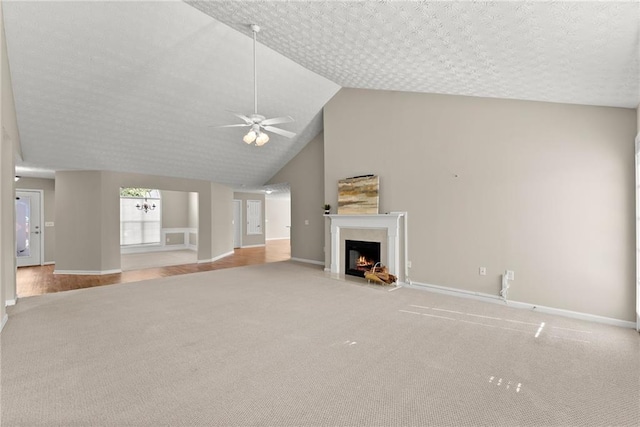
x,y
363,262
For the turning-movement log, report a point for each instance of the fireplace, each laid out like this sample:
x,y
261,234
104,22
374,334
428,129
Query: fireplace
x,y
360,256
393,248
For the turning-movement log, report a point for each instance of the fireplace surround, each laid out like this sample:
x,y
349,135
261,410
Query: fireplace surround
x,y
391,227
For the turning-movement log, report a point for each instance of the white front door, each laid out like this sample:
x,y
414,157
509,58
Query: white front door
x,y
237,223
28,228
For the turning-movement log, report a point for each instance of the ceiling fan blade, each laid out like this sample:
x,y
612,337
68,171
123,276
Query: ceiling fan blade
x,y
277,121
279,131
243,125
241,116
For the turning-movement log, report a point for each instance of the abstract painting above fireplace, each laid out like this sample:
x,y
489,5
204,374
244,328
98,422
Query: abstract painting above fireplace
x,y
358,195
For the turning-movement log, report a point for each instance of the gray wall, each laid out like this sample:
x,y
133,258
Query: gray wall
x,y
175,214
175,209
49,195
304,173
221,231
546,190
79,218
88,217
253,239
9,149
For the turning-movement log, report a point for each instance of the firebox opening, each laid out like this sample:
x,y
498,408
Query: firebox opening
x,y
360,256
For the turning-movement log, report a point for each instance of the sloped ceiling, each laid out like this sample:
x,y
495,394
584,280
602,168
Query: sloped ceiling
x,y
140,86
579,52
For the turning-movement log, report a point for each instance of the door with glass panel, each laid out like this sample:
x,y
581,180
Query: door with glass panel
x,y
28,228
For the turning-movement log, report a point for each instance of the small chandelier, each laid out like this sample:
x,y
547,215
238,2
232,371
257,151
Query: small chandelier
x,y
146,206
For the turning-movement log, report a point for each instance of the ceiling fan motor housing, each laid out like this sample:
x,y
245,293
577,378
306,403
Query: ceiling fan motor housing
x,y
256,118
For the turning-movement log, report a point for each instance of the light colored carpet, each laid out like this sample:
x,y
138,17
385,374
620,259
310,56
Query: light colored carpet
x,y
283,344
144,260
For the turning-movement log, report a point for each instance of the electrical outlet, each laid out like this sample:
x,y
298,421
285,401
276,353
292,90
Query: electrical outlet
x,y
510,275
168,240
483,271
306,222
409,264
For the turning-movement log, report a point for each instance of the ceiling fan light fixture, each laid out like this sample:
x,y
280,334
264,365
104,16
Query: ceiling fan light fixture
x,y
249,137
255,121
262,139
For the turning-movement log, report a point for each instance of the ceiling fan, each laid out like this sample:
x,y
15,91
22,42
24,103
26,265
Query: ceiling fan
x,y
255,121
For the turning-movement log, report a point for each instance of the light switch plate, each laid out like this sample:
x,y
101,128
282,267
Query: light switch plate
x,y
48,224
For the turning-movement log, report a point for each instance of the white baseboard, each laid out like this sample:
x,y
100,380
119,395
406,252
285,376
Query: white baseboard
x,y
202,261
279,238
192,247
253,246
10,302
48,263
574,314
4,321
308,261
87,272
516,304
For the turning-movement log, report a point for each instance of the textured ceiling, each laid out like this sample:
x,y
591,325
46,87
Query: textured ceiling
x,y
570,52
137,86
141,86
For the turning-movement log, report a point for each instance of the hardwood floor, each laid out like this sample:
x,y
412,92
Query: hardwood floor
x,y
32,281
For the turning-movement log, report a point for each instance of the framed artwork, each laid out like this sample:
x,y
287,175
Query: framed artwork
x,y
358,195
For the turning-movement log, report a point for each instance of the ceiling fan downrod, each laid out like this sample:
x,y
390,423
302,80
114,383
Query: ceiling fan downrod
x,y
255,29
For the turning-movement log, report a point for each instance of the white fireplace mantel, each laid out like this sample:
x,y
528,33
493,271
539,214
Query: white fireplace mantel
x,y
389,222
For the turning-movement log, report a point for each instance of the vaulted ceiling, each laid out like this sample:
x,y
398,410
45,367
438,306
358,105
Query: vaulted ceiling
x,y
142,86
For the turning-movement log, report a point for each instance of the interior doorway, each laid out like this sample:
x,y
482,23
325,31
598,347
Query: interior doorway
x,y
278,220
278,216
29,236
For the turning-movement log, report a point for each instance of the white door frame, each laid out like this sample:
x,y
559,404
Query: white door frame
x,y
637,215
42,222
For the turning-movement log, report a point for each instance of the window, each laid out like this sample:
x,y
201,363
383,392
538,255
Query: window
x,y
137,226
